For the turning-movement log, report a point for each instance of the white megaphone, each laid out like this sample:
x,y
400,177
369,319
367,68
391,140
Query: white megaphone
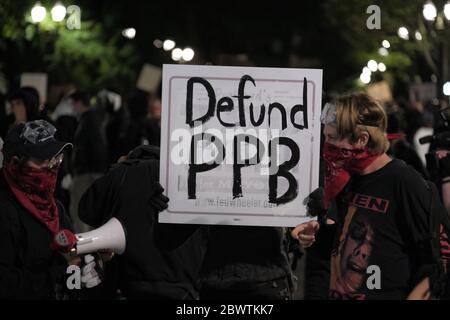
x,y
110,236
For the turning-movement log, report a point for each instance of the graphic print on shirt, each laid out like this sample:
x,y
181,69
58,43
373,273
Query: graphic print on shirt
x,y
445,248
351,257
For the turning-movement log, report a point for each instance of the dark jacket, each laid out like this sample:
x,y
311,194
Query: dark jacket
x,y
141,131
152,132
29,268
161,261
403,150
242,257
90,152
5,125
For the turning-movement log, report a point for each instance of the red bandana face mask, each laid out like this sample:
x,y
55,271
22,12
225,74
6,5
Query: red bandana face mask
x,y
34,188
340,165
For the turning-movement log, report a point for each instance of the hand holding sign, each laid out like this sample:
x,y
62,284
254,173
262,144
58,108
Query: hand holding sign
x,y
305,233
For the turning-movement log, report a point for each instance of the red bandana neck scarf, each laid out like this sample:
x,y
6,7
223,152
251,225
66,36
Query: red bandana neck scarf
x,y
34,189
340,165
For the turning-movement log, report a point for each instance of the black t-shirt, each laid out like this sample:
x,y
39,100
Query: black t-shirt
x,y
381,250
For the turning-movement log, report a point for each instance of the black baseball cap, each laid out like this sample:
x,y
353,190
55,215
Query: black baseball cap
x,y
33,139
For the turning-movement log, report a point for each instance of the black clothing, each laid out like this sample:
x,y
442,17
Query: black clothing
x,y
133,136
414,119
29,268
245,262
317,266
141,131
383,221
403,150
66,126
116,124
276,289
161,261
152,132
5,125
90,153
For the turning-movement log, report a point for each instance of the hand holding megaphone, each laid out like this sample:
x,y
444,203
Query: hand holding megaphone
x,y
91,271
110,236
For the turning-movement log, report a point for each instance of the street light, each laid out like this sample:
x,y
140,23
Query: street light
x,y
383,52
436,23
381,67
366,70
188,54
373,65
447,10
38,13
129,33
177,53
446,88
58,12
168,45
429,11
418,36
365,78
403,33
158,43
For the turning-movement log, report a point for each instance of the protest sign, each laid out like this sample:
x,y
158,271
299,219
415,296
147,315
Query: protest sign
x,y
149,78
239,145
37,81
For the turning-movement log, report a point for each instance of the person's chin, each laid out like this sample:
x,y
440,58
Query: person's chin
x,y
353,277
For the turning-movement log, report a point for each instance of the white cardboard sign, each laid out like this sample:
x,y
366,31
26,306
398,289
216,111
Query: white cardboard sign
x,y
149,78
37,81
239,145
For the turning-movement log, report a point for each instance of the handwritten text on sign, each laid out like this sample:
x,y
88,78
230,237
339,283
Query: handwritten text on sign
x,y
239,145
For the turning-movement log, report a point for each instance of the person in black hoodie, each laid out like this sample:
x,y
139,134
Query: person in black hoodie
x,y
161,261
29,213
90,153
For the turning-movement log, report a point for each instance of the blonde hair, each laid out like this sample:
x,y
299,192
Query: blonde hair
x,y
357,113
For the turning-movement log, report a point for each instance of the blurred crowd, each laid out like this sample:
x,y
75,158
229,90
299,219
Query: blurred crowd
x,y
102,127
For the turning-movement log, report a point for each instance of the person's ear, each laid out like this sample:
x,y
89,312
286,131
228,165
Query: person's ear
x,y
363,139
